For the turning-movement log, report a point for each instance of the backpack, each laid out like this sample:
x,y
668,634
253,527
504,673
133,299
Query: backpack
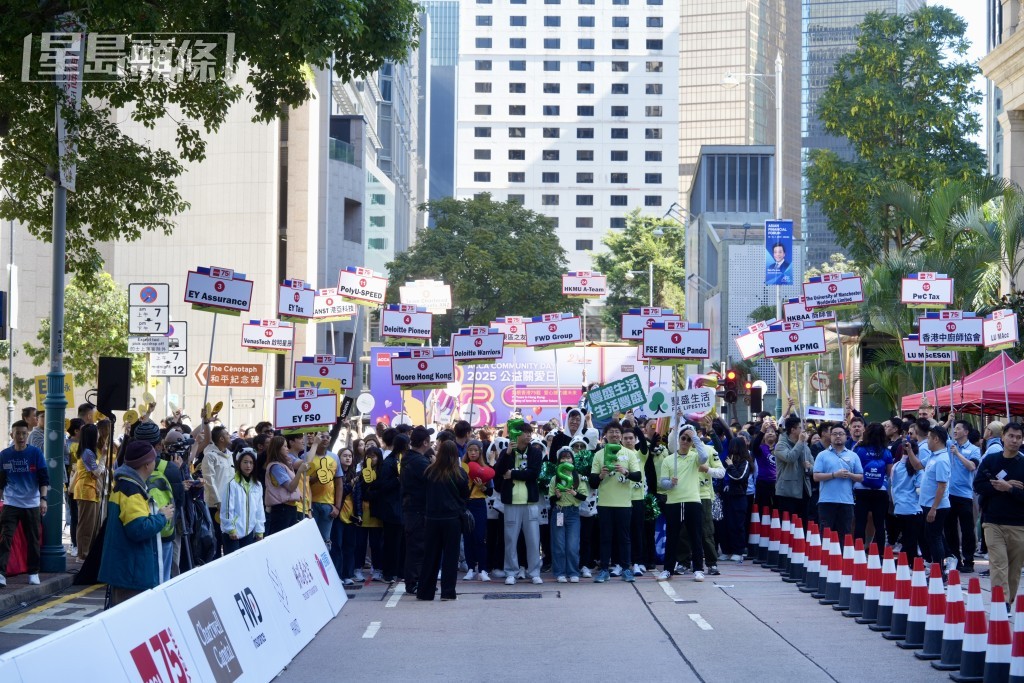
x,y
160,491
874,469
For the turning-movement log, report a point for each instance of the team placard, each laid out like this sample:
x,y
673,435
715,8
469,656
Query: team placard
x,y
328,307
927,290
295,301
916,354
405,322
1000,330
422,369
833,290
329,367
794,341
636,320
951,330
268,336
553,331
219,290
362,286
477,345
514,329
305,410
676,341
584,285
796,311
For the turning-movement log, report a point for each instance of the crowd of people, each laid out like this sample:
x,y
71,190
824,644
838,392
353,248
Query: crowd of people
x,y
573,497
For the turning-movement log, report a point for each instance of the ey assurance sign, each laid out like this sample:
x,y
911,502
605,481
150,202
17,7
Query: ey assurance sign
x,y
219,290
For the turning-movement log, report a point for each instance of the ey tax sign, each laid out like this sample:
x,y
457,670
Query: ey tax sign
x,y
833,290
220,290
927,290
328,367
362,286
406,322
793,341
584,285
422,369
477,346
305,410
676,341
268,336
553,331
295,301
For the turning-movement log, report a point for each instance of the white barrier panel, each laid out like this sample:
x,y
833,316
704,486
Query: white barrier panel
x,y
68,654
9,672
306,537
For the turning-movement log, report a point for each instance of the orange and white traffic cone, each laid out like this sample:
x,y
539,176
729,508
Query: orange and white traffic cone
x,y
835,572
918,606
860,578
952,626
972,654
1017,647
774,542
936,613
785,543
887,593
846,581
766,527
809,583
872,586
901,602
754,535
997,653
798,560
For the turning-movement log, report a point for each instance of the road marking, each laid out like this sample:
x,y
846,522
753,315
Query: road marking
x,y
396,596
372,629
51,603
671,592
701,622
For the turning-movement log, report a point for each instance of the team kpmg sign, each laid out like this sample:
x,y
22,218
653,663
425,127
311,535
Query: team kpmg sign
x,y
553,331
796,311
833,290
422,369
584,285
751,344
329,367
951,330
268,336
295,301
913,352
927,290
636,320
778,248
477,345
362,286
405,322
514,329
794,341
220,290
676,341
1000,330
328,307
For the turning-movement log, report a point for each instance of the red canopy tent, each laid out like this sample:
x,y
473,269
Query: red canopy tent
x,y
968,392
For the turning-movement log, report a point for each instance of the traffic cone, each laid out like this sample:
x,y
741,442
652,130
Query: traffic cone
x,y
798,562
997,654
835,573
1017,647
860,578
825,562
953,626
754,535
901,601
762,545
936,613
872,587
846,580
918,606
887,594
785,545
809,584
972,655
774,538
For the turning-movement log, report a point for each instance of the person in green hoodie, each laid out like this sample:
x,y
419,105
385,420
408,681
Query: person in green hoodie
x,y
680,477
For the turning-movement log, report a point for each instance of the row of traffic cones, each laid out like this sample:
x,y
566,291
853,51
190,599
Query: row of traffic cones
x,y
918,613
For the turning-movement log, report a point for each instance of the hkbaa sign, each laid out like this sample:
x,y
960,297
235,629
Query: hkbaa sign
x,y
1000,330
793,342
327,367
306,409
638,319
674,342
295,301
422,369
328,307
268,336
553,331
796,311
514,329
927,290
405,322
477,346
951,330
833,290
913,352
362,286
220,290
584,285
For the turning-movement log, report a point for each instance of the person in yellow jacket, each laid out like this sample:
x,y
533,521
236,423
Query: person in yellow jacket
x,y
371,533
86,488
680,477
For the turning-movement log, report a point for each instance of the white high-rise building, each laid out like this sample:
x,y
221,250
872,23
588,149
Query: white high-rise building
x,y
572,108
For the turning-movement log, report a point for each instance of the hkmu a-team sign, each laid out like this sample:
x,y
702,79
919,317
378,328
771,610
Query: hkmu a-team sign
x,y
404,322
295,301
362,286
584,285
553,331
794,341
960,330
477,346
218,290
422,369
833,290
268,336
675,342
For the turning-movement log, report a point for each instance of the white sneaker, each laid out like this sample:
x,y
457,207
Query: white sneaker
x,y
499,573
484,577
348,582
33,579
616,571
574,579
665,576
537,580
950,563
439,576
510,580
470,575
698,576
562,579
736,558
377,575
359,576
643,568
638,570
585,573
74,551
3,581
521,574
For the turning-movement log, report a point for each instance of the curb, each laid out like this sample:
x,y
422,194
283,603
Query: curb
x,y
20,595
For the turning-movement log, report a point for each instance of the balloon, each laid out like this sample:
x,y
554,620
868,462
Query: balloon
x,y
387,404
481,472
537,410
564,476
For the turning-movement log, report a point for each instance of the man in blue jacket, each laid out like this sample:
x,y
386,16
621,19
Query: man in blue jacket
x,y
131,560
24,481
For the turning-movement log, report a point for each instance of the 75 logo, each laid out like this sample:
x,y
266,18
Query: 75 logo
x,y
171,667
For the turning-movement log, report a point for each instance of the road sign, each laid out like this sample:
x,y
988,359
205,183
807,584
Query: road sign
x,y
170,364
155,343
177,334
230,374
243,403
819,381
148,308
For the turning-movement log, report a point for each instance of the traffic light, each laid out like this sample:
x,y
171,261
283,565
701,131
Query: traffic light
x,y
731,392
747,385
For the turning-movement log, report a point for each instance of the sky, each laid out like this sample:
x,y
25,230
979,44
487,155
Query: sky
x,y
974,12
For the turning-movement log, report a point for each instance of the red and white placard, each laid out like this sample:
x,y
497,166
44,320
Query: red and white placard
x,y
270,336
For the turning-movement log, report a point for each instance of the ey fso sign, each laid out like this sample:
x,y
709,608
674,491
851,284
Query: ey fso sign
x,y
305,410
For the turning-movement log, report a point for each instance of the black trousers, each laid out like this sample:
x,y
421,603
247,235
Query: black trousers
x,y
587,525
875,502
764,494
794,506
614,523
961,543
441,551
678,516
909,528
838,517
392,550
280,517
415,540
496,542
29,519
736,513
935,534
636,531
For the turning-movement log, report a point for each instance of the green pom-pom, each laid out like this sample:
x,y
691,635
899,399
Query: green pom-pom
x,y
651,508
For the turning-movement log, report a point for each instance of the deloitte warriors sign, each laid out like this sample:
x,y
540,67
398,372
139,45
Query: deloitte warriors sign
x,y
220,290
477,346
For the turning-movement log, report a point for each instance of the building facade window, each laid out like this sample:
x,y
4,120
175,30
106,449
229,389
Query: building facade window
x,y
584,200
619,200
584,178
584,245
482,154
516,177
652,178
484,43
584,155
552,65
620,155
481,132
482,109
549,177
619,178
584,222
517,155
549,200
481,177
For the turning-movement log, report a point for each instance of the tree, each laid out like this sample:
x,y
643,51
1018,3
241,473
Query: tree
x,y
95,324
278,43
499,258
23,388
632,249
905,103
837,263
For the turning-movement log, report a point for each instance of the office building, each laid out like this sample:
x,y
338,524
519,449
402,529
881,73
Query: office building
x,y
444,62
993,95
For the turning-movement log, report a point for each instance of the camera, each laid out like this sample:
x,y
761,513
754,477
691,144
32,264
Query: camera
x,y
179,448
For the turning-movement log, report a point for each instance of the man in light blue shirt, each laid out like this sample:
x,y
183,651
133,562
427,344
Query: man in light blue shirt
x,y
903,482
837,469
920,432
935,497
964,459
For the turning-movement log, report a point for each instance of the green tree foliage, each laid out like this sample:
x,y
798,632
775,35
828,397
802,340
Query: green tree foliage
x,y
23,388
632,249
275,46
95,324
904,101
499,258
837,263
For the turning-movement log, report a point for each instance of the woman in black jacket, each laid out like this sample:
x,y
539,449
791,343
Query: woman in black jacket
x,y
385,496
447,493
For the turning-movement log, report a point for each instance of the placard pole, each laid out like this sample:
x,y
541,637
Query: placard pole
x,y
842,361
209,363
558,393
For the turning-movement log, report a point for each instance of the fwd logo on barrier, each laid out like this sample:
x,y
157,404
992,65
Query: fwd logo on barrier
x,y
252,615
164,649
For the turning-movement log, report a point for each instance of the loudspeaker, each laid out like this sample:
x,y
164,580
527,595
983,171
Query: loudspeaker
x,y
114,384
756,405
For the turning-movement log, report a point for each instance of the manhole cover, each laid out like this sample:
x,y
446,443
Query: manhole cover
x,y
511,596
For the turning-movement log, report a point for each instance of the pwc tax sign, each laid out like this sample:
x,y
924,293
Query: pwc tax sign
x,y
751,344
1000,330
794,341
218,290
553,331
584,285
675,341
268,336
422,369
514,329
362,286
305,410
833,290
405,322
636,320
927,290
328,367
959,330
295,301
477,346
328,307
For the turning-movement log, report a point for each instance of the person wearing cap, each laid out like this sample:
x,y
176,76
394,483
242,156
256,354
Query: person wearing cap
x,y
131,561
414,503
516,474
165,473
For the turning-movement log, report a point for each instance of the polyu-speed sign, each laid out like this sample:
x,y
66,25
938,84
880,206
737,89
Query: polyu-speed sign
x,y
477,345
306,409
328,367
794,343
362,286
